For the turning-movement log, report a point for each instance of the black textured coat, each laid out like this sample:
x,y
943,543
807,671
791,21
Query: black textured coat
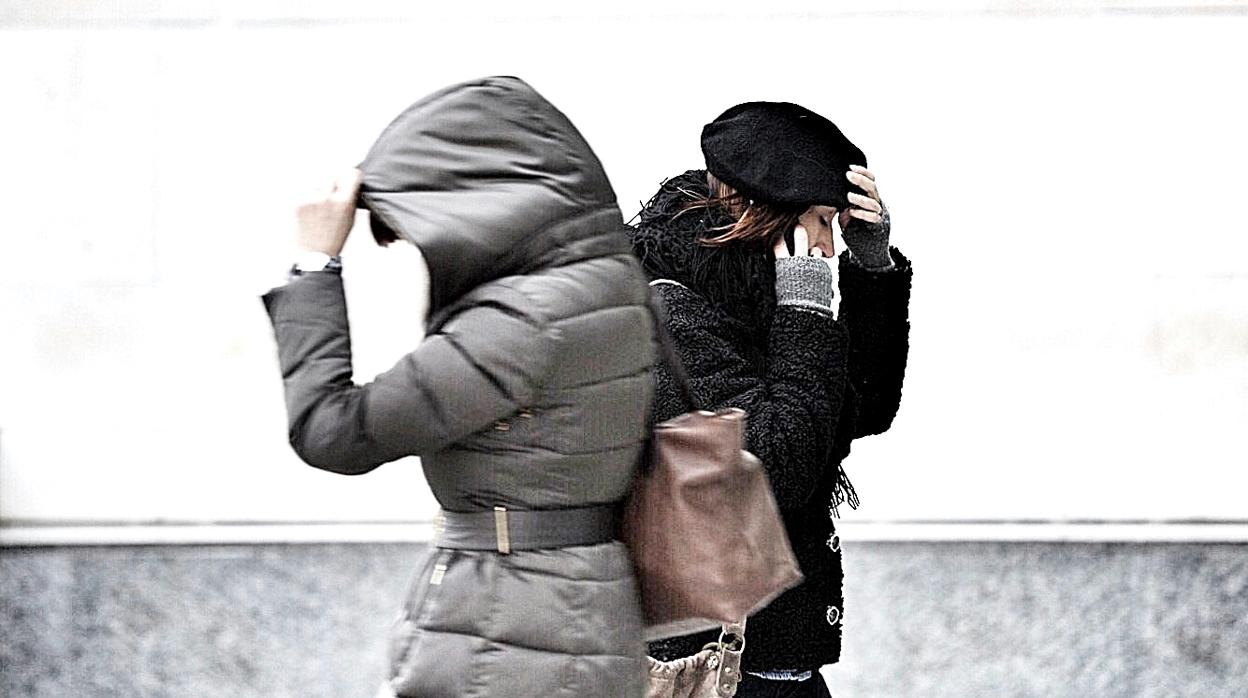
x,y
810,384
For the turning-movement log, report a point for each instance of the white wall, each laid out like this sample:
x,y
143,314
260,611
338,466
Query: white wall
x,y
1068,178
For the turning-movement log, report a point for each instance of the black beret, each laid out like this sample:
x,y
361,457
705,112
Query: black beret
x,y
781,153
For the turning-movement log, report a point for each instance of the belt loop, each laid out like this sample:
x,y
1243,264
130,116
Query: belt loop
x,y
501,533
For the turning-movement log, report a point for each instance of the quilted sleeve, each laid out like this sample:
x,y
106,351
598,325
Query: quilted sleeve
x,y
482,365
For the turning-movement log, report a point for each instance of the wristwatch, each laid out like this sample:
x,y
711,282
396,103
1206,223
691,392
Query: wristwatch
x,y
308,261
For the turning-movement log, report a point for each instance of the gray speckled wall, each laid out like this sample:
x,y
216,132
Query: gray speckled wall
x,y
1085,620
931,619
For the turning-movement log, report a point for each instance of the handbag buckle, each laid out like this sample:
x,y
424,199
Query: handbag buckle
x,y
734,633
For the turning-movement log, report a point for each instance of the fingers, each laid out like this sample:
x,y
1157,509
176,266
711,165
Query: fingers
x,y
313,192
868,216
869,208
865,202
863,181
781,248
340,189
802,246
801,241
324,219
346,186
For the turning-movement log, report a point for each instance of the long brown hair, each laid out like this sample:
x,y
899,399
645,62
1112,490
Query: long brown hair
x,y
754,220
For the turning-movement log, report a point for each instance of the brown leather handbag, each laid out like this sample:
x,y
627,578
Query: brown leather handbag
x,y
701,523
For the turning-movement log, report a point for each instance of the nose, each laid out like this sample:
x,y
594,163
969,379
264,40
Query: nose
x,y
823,240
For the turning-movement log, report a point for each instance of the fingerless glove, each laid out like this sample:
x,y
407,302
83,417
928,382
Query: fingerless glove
x,y
868,243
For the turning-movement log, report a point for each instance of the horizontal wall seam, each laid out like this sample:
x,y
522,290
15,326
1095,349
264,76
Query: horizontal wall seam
x,y
422,532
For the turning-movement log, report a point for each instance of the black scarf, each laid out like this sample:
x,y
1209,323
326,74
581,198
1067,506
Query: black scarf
x,y
739,278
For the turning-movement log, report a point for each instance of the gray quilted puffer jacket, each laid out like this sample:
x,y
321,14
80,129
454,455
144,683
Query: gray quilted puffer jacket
x,y
530,389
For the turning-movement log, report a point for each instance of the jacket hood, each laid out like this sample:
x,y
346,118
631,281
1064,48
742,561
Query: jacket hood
x,y
485,177
738,277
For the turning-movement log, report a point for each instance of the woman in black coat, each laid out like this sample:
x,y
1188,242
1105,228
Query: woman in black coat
x,y
767,319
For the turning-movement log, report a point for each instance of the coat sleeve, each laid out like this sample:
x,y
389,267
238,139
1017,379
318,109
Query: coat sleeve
x,y
875,307
791,403
482,365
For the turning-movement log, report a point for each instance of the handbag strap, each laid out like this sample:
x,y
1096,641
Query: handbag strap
x,y
725,659
731,646
667,349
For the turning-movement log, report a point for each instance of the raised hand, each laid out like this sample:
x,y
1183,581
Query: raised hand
x,y
323,220
865,224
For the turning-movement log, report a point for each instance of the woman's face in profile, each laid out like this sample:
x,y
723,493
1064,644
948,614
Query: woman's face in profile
x,y
817,220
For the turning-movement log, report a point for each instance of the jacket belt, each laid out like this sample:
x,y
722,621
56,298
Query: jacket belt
x,y
504,530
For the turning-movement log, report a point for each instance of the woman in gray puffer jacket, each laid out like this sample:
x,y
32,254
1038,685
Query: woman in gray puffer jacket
x,y
526,400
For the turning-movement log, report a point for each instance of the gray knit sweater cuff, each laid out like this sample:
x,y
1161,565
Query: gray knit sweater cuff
x,y
806,282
